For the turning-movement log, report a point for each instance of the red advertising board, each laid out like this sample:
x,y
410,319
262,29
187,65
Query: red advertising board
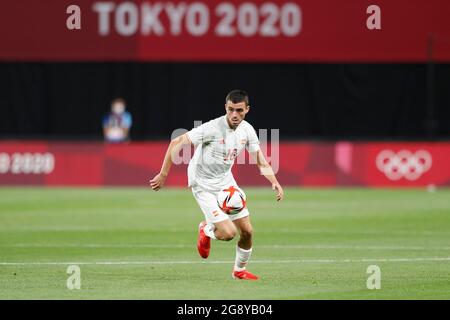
x,y
395,164
231,30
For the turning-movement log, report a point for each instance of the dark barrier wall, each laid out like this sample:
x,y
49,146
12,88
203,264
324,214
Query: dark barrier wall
x,y
330,101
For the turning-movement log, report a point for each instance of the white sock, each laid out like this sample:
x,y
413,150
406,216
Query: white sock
x,y
242,258
209,230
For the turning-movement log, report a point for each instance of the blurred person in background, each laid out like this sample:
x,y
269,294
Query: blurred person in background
x,y
117,123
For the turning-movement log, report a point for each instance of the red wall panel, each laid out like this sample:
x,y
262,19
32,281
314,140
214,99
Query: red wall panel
x,y
328,30
395,164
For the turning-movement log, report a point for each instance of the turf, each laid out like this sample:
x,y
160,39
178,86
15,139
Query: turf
x,y
137,244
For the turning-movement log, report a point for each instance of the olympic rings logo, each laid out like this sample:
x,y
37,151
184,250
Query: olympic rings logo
x,y
404,164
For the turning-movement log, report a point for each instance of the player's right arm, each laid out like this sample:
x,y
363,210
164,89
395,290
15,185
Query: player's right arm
x,y
174,148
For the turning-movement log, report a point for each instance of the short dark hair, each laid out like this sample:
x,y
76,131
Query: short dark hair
x,y
118,100
237,96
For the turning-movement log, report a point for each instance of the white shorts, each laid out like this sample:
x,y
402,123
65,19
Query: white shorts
x,y
208,203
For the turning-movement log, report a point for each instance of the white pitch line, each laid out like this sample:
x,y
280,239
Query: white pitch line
x,y
155,262
264,231
273,246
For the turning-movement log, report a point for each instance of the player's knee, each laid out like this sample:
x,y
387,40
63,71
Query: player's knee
x,y
229,235
247,234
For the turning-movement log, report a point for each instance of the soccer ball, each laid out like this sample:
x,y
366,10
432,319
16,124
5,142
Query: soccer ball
x,y
231,200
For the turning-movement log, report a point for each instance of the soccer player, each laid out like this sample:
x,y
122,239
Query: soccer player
x,y
218,142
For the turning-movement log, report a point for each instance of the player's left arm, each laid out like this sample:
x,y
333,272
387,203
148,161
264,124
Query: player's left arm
x,y
267,171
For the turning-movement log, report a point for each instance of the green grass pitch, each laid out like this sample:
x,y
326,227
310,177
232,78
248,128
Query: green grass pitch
x,y
134,243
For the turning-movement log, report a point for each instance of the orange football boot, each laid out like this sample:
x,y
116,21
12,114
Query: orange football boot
x,y
244,275
203,241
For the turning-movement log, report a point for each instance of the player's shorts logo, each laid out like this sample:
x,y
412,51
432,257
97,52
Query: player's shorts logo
x,y
404,164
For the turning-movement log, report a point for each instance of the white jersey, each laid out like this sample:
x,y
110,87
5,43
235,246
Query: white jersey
x,y
217,145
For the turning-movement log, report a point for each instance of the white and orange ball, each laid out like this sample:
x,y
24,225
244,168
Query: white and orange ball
x,y
231,200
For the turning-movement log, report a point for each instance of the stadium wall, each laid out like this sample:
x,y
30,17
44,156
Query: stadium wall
x,y
225,30
371,164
